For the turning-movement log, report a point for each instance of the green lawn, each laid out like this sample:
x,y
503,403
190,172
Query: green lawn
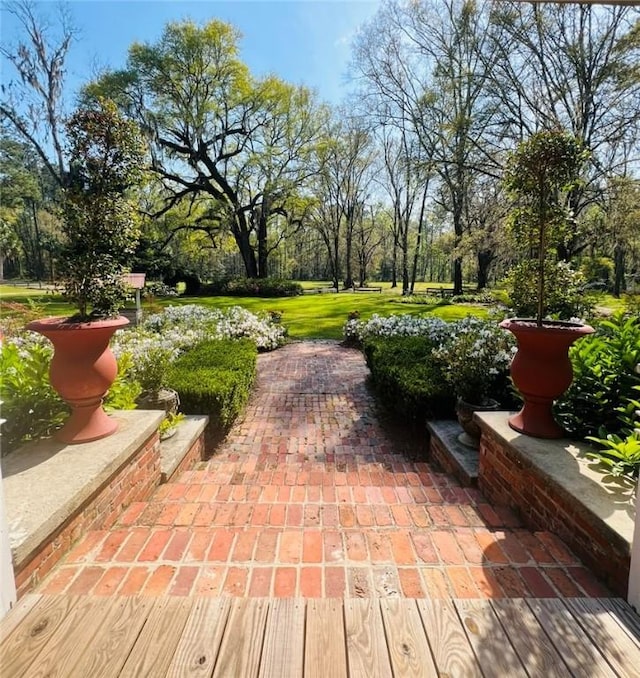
x,y
321,316
314,316
311,316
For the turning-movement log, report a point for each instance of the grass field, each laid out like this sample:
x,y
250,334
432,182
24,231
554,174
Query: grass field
x,y
311,316
314,316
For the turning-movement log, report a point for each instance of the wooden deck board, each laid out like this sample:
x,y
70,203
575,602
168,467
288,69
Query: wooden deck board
x,y
582,658
407,643
198,648
118,633
529,639
490,643
624,616
283,653
241,646
18,614
157,642
605,633
332,638
29,638
69,643
451,650
366,644
325,655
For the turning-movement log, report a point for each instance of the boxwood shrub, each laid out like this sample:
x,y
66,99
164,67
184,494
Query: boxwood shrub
x,y
215,378
407,379
253,287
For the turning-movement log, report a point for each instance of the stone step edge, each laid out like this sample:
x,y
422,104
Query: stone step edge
x,y
452,455
177,453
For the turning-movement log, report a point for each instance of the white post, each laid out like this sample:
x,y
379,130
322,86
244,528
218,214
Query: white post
x,y
7,578
7,581
634,573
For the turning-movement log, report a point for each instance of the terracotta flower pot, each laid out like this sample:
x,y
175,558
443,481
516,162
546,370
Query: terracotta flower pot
x,y
82,371
541,370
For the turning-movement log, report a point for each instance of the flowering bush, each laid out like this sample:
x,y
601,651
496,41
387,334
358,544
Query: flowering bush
x,y
395,326
476,354
145,355
472,354
158,289
190,324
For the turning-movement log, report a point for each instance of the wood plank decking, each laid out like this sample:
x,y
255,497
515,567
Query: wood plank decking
x,y
98,637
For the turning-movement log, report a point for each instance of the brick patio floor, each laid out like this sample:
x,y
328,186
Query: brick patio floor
x,y
310,495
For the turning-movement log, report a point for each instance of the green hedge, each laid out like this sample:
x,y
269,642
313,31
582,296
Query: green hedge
x,y
406,378
215,378
253,287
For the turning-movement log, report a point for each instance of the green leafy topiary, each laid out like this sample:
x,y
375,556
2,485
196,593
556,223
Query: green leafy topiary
x,y
539,176
100,224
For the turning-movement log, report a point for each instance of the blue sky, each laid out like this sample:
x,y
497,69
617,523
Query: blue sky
x,y
302,41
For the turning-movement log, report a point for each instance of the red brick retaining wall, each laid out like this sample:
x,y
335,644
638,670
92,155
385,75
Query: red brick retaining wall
x,y
506,477
133,481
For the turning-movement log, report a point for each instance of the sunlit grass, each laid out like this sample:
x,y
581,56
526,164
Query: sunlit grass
x,y
322,316
311,316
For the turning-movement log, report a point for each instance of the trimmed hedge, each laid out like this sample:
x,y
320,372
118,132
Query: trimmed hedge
x,y
407,379
253,287
215,378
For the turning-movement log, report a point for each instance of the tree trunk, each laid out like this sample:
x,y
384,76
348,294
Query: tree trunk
x,y
416,254
618,262
457,276
485,259
348,278
263,252
247,253
262,232
336,262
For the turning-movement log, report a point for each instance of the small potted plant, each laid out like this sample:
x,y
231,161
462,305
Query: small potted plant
x,y
539,176
100,224
475,362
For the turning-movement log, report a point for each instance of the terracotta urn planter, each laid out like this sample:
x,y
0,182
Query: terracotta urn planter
x,y
541,371
82,371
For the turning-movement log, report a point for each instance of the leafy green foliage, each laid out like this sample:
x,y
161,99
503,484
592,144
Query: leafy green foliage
x,y
408,380
254,287
170,422
538,177
101,225
564,296
31,408
604,375
215,378
621,453
124,391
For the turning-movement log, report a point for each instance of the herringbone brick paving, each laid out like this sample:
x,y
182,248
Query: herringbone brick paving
x,y
311,495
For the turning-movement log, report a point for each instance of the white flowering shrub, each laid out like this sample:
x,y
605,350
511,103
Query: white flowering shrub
x,y
396,325
473,354
476,355
162,337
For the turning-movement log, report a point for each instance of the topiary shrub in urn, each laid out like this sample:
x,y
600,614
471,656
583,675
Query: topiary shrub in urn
x,y
101,227
540,175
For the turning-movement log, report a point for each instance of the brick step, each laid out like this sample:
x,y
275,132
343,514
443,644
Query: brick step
x,y
283,562
324,514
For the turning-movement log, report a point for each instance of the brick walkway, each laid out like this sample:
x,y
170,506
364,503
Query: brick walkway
x,y
311,496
